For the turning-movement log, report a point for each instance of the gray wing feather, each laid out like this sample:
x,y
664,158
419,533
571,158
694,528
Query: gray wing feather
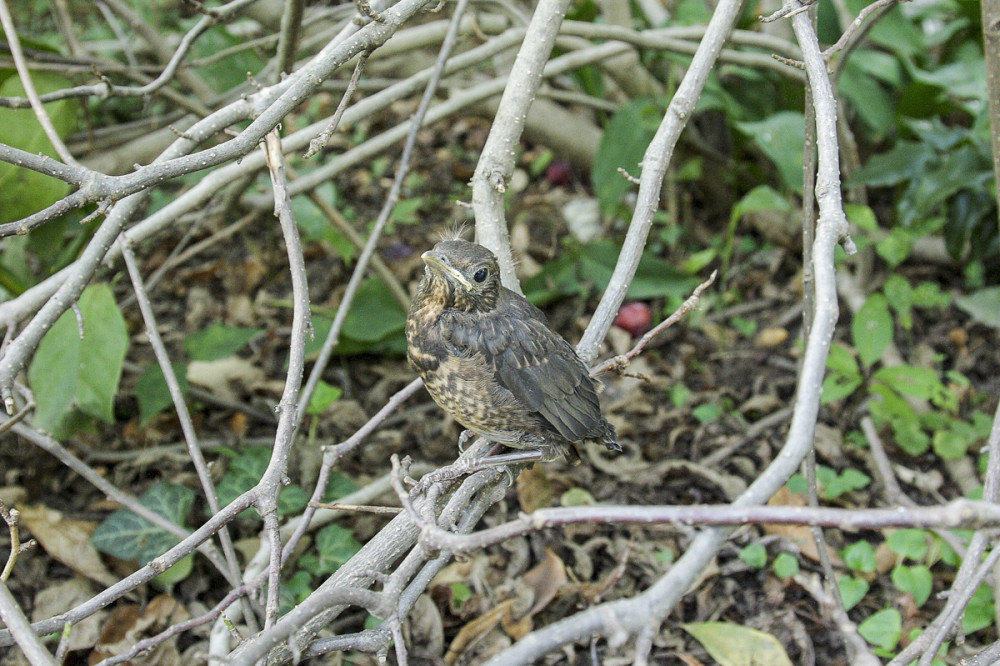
x,y
537,366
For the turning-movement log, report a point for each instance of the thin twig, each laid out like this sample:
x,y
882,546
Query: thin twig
x,y
619,363
319,143
272,481
392,196
496,161
183,414
29,642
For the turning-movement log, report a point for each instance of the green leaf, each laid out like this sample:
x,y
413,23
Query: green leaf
x,y
852,590
982,305
883,629
577,496
781,137
622,145
916,580
979,612
733,645
798,484
785,565
762,197
338,486
895,247
847,481
316,227
872,329
929,295
921,383
953,442
405,211
754,554
904,162
130,537
844,376
175,574
862,216
218,341
593,263
908,543
706,413
893,409
23,191
298,587
152,392
291,500
324,396
230,72
894,30
679,394
860,557
74,378
334,546
899,293
245,471
374,324
866,96
459,593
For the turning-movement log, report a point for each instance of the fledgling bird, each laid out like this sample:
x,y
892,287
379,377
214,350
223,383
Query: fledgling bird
x,y
489,358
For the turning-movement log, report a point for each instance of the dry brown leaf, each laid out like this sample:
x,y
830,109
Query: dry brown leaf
x,y
475,630
130,623
534,490
426,628
770,337
800,535
67,541
545,579
13,495
689,660
223,375
885,559
63,596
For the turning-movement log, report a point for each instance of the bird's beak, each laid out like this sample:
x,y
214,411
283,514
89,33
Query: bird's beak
x,y
439,263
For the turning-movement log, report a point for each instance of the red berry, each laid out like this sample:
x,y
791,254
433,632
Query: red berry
x,y
559,173
634,317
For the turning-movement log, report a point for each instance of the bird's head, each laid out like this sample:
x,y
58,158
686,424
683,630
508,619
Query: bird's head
x,y
462,275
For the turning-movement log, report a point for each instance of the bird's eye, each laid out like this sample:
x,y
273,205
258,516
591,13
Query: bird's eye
x,y
480,275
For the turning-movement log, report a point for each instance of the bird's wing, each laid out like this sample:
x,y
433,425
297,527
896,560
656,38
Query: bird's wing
x,y
534,363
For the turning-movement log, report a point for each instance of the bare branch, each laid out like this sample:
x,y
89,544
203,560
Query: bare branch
x,y
29,642
496,162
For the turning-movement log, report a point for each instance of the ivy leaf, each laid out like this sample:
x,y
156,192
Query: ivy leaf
x,y
128,536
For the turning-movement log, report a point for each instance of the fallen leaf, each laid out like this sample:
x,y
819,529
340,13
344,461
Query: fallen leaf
x,y
67,541
61,597
534,490
736,645
800,535
770,337
128,624
475,630
226,374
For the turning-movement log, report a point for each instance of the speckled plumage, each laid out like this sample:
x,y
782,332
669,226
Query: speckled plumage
x,y
488,357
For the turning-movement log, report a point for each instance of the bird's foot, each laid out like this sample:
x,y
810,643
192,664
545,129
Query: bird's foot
x,y
463,439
